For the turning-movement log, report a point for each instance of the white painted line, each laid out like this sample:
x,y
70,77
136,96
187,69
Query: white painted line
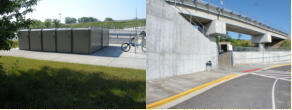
x,y
273,94
270,77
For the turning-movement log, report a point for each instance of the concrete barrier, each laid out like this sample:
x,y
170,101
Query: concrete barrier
x,y
35,39
24,39
78,40
64,40
49,40
261,57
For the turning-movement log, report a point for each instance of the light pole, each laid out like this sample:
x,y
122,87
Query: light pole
x,y
60,15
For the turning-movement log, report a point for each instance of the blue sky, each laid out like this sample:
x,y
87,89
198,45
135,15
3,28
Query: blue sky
x,y
116,9
276,13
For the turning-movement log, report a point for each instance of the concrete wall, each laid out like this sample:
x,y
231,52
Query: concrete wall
x,y
225,60
174,46
261,57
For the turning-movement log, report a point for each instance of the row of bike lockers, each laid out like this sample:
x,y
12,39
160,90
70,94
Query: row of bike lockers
x,y
76,40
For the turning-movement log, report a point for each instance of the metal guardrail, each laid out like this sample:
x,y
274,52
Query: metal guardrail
x,y
239,49
210,8
253,49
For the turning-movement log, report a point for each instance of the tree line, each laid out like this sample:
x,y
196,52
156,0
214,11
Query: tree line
x,y
71,20
56,23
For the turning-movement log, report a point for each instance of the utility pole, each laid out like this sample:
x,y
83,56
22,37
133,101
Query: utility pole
x,y
136,37
60,15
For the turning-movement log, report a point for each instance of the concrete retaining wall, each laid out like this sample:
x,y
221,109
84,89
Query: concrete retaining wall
x,y
261,57
174,46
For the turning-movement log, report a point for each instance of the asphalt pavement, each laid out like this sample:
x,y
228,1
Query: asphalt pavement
x,y
265,89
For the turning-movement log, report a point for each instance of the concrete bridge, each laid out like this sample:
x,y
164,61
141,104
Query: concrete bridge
x,y
175,46
200,12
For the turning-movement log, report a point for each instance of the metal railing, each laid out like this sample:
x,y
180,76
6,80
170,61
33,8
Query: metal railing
x,y
191,20
253,49
240,49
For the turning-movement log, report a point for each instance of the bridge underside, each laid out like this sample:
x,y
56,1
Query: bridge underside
x,y
197,21
175,47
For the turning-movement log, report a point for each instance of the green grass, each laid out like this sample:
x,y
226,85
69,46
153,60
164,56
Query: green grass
x,y
286,44
111,25
28,83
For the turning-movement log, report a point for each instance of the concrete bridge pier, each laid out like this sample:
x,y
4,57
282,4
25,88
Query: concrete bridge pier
x,y
261,40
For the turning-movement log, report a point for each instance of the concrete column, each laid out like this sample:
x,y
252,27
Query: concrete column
x,y
261,46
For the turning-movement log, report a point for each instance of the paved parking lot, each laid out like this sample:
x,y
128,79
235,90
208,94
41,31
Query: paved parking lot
x,y
110,56
265,89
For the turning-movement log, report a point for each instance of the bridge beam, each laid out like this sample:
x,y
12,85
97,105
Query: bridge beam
x,y
216,28
265,38
261,40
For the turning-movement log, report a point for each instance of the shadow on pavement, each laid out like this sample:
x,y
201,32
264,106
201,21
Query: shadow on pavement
x,y
111,51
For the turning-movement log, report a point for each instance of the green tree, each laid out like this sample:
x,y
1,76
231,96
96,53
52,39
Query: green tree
x,y
239,36
69,20
48,23
87,19
225,37
56,23
37,24
12,18
108,19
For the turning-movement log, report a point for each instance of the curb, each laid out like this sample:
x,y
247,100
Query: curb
x,y
201,87
172,98
279,66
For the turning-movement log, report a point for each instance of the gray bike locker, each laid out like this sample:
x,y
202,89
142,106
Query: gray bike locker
x,y
23,39
49,40
36,39
105,37
64,40
86,41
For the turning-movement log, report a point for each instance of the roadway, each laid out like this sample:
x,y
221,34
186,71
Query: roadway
x,y
266,89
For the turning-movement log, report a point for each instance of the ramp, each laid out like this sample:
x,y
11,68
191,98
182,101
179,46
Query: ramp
x,y
174,46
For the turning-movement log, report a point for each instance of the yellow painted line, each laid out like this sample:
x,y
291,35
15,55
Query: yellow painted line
x,y
172,98
280,65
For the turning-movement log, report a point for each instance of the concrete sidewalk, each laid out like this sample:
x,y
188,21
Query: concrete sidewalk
x,y
110,56
163,88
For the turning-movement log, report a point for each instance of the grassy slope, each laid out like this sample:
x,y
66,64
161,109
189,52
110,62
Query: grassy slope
x,y
27,83
113,24
286,44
